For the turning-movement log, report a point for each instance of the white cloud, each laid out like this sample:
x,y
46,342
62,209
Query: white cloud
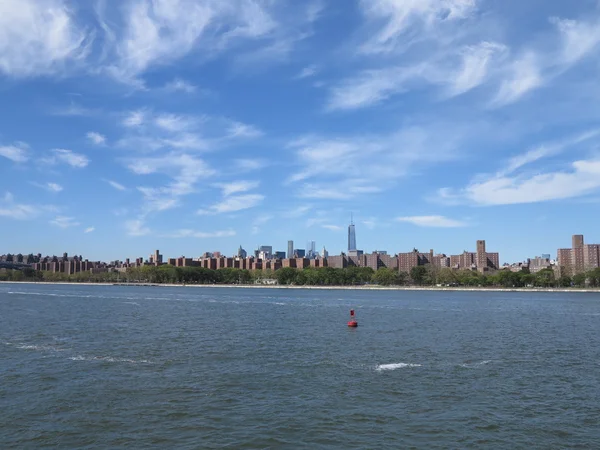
x,y
403,20
39,37
134,118
74,110
248,165
514,183
117,186
51,187
68,157
233,204
370,87
332,227
297,211
185,171
179,85
307,72
89,230
432,221
186,233
238,129
581,178
475,67
150,131
546,150
17,153
370,223
173,122
237,186
166,30
19,211
64,222
96,138
578,39
338,168
136,227
524,75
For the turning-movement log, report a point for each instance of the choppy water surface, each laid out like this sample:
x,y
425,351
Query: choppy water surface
x,y
142,367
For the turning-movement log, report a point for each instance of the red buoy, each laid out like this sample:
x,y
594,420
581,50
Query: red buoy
x,y
352,322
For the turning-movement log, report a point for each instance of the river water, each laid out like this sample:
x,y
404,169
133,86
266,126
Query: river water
x,y
202,368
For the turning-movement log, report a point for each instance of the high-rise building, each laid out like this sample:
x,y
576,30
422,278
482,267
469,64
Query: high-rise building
x,y
577,241
290,252
351,236
242,253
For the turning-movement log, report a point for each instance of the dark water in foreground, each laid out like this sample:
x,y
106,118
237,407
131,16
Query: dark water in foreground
x,y
129,367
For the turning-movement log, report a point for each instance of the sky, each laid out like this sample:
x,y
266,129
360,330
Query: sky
x,y
202,125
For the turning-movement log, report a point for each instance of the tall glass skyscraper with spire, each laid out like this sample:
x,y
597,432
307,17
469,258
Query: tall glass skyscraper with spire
x,y
351,236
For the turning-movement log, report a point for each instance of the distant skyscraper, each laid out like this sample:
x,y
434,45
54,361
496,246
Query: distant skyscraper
x,y
351,236
290,252
242,253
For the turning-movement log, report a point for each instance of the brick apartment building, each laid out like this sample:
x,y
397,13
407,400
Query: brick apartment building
x,y
579,258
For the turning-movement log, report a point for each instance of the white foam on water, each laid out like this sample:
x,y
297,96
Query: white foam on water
x,y
394,366
131,303
38,348
280,304
109,359
477,364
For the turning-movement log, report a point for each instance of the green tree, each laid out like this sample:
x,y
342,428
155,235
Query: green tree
x,y
418,274
579,279
446,276
545,278
593,277
386,277
286,275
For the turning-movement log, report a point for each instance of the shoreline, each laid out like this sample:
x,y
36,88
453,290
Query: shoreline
x,y
358,288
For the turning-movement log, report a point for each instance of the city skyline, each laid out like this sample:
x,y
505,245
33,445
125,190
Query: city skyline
x,y
260,122
579,259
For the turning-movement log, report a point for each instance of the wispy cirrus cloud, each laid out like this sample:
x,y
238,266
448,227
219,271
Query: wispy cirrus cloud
x,y
11,209
235,187
335,167
89,230
64,222
307,72
18,153
96,138
40,37
187,233
185,171
150,131
136,227
50,187
580,178
394,25
233,203
68,157
433,221
514,184
179,85
117,186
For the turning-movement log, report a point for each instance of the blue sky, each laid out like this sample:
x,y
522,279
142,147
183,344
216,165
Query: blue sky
x,y
200,125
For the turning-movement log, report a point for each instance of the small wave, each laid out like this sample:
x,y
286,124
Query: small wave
x,y
38,348
476,364
110,359
394,366
131,303
279,303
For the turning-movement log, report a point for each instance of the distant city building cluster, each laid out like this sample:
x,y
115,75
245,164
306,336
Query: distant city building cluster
x,y
578,259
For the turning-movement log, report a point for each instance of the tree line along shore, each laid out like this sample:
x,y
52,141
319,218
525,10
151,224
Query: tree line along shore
x,y
326,276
